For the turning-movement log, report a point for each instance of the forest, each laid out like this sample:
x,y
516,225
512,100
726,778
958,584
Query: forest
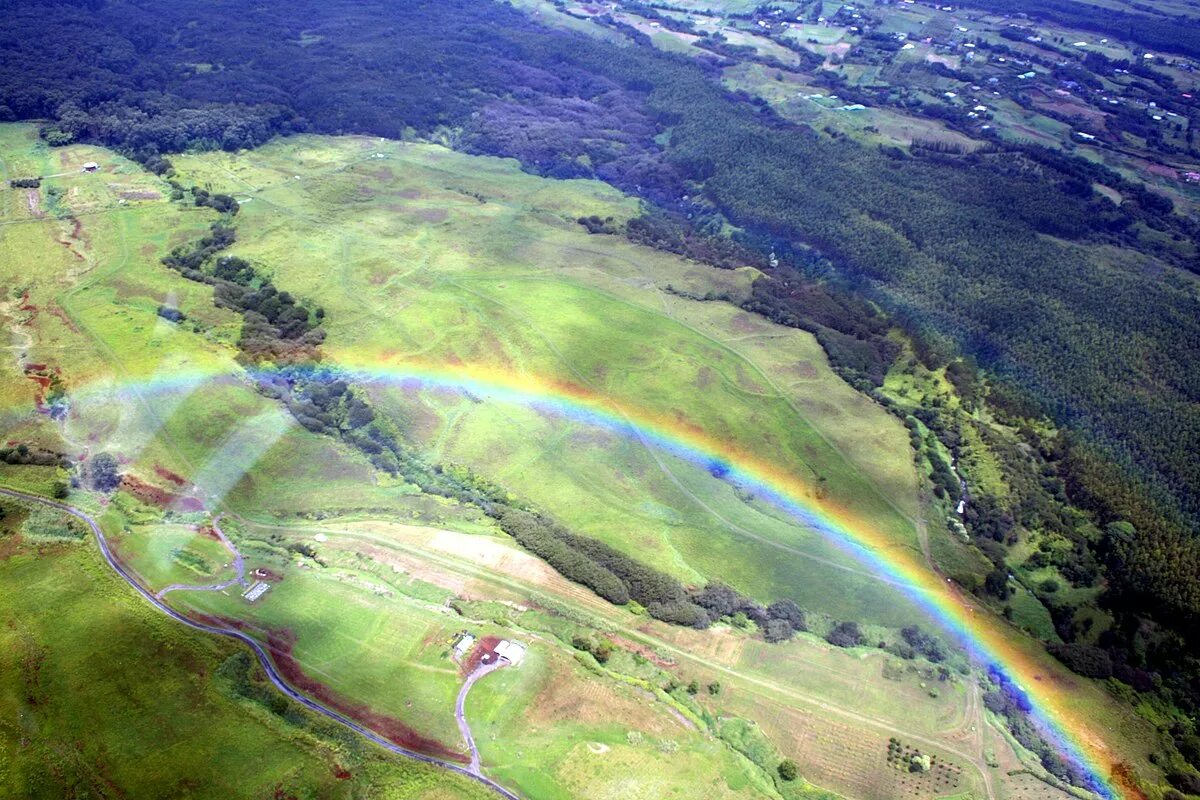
x,y
1077,308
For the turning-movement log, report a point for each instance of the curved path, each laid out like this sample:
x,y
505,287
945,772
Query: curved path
x,y
260,652
239,566
460,714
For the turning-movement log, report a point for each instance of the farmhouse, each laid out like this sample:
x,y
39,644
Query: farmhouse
x,y
512,652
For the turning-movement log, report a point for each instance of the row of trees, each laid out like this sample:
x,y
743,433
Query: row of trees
x,y
990,253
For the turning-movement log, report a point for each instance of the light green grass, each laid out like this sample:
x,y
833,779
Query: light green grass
x,y
360,637
410,264
416,267
168,554
105,695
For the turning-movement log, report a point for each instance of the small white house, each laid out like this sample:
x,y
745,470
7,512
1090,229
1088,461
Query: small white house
x,y
512,652
91,166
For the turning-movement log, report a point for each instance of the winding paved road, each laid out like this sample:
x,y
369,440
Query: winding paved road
x,y
261,653
460,715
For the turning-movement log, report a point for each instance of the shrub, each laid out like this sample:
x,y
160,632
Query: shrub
x,y
845,634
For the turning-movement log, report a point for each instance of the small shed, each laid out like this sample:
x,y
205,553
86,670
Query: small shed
x,y
463,644
91,166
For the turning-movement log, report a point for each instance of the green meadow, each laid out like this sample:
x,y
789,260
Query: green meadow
x,y
106,697
422,255
419,254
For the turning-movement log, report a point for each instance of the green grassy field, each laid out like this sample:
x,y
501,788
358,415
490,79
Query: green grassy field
x,y
105,697
420,254
424,271
167,554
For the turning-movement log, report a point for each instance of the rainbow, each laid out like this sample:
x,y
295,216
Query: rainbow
x,y
1016,663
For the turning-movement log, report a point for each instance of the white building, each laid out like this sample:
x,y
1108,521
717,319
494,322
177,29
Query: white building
x,y
512,652
463,645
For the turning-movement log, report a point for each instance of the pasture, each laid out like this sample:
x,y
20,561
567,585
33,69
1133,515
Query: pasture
x,y
421,255
106,695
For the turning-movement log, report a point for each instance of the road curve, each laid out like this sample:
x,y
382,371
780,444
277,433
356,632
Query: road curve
x,y
258,649
460,714
239,566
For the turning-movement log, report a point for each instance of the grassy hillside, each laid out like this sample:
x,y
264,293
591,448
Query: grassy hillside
x,y
105,697
421,255
427,255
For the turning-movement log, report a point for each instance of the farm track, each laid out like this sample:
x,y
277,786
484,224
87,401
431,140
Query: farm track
x,y
239,566
460,714
662,464
259,651
755,683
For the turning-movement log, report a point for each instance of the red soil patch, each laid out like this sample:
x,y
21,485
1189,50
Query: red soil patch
x,y
1162,171
208,533
1124,776
341,773
280,645
153,495
641,650
486,647
9,545
165,473
217,622
75,237
58,312
42,376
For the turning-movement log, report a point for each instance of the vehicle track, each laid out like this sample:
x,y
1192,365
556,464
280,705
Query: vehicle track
x,y
239,566
755,683
263,658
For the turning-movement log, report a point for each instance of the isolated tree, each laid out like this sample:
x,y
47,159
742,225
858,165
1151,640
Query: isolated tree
x,y
104,472
788,770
